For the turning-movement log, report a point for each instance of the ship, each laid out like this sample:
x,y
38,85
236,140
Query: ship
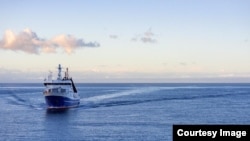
x,y
60,93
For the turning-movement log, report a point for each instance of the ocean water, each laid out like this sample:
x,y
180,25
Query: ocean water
x,y
112,112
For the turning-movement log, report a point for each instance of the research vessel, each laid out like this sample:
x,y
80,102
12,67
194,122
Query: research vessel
x,y
60,93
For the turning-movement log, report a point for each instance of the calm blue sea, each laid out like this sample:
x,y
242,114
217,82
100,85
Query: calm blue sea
x,y
112,112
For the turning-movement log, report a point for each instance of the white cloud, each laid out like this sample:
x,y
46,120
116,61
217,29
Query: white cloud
x,y
146,37
28,41
113,36
148,40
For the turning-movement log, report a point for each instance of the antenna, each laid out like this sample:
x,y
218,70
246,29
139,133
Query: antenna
x,y
66,74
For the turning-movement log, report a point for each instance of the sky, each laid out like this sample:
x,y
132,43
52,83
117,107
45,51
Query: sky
x,y
132,41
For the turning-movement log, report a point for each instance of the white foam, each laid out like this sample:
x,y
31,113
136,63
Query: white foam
x,y
120,94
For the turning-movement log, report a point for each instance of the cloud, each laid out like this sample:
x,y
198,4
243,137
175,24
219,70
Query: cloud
x,y
28,41
69,42
146,37
113,36
148,40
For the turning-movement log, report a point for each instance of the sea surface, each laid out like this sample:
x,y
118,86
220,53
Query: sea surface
x,y
116,112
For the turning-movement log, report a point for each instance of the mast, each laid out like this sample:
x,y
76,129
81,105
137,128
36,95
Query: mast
x,y
59,72
67,73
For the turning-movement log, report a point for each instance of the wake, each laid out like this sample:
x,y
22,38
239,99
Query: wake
x,y
26,101
131,96
121,94
150,94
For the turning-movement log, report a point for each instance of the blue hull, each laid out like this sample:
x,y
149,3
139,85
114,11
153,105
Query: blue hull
x,y
61,102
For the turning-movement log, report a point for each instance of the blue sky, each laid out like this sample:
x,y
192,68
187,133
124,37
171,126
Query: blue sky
x,y
126,40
